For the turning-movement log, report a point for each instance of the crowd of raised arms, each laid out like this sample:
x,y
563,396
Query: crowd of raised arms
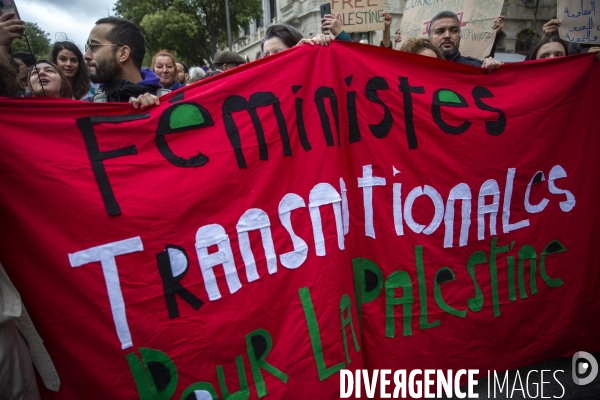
x,y
111,67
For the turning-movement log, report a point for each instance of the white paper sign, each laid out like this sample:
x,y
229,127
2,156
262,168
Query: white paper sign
x,y
579,21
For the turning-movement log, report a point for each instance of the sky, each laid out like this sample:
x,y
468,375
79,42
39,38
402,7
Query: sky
x,y
73,18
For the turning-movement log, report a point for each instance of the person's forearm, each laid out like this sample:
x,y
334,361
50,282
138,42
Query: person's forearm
x,y
344,37
10,29
386,41
4,59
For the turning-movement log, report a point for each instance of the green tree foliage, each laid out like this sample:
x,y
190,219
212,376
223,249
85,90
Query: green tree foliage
x,y
38,40
192,29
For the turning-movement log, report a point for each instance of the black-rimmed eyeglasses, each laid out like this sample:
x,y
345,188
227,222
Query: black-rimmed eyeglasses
x,y
92,47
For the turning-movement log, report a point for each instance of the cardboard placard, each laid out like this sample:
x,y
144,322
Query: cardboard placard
x,y
360,15
579,21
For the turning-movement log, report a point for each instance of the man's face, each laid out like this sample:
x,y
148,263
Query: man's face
x,y
181,75
100,56
230,66
445,34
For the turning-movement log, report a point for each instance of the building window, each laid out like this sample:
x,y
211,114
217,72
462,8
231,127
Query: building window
x,y
524,41
272,10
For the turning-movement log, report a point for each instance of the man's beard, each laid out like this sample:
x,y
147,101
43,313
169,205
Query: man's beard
x,y
449,53
106,71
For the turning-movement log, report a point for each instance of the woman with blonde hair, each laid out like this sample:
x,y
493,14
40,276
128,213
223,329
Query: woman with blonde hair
x,y
163,65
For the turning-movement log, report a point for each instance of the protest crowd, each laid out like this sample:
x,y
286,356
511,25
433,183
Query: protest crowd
x,y
111,67
110,70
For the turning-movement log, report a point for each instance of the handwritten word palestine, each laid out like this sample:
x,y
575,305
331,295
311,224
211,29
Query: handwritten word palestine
x,y
369,283
361,18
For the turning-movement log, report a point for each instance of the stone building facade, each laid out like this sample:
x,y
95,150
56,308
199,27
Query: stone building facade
x,y
305,16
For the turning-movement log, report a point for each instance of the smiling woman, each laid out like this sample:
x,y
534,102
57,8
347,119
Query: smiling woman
x,y
47,80
163,65
70,60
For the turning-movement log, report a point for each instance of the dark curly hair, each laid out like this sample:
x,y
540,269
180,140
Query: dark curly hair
x,y
9,84
418,45
81,80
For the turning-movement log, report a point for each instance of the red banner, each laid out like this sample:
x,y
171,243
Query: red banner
x,y
325,208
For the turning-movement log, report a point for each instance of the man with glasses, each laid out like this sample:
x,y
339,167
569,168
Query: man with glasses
x,y
113,54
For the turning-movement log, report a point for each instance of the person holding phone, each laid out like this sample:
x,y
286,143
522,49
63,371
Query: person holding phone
x,y
11,28
333,24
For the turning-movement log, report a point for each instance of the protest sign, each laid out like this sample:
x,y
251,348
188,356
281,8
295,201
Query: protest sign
x,y
360,15
260,230
476,21
579,22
